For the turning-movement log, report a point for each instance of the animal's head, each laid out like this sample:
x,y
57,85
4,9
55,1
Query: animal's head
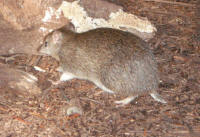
x,y
52,43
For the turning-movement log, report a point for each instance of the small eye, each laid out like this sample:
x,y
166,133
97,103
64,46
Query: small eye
x,y
45,43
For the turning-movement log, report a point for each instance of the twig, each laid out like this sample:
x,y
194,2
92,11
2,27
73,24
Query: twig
x,y
3,109
55,86
37,61
173,2
166,13
10,57
37,115
91,100
157,43
45,92
21,120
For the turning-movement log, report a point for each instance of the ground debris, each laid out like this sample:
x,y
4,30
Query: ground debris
x,y
177,50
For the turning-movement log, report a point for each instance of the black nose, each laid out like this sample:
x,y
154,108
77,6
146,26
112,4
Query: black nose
x,y
45,44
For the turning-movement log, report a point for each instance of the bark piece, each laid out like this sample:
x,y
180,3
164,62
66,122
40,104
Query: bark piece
x,y
87,14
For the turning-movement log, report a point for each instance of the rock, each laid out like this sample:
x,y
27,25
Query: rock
x,y
24,14
74,110
21,81
25,23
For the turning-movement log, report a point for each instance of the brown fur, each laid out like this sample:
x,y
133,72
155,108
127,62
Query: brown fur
x,y
119,60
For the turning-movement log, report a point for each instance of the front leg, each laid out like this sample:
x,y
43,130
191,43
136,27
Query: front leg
x,y
59,69
66,76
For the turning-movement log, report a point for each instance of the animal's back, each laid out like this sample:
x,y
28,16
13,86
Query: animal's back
x,y
100,46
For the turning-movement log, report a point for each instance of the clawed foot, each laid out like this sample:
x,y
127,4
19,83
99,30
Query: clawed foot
x,y
121,103
128,100
157,97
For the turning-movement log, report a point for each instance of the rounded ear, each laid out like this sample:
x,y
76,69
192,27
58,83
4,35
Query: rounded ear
x,y
57,37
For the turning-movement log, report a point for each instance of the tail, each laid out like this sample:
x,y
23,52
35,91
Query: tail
x,y
157,97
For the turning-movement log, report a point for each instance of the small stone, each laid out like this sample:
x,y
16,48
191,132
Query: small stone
x,y
74,110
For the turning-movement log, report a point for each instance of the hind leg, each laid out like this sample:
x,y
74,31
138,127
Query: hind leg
x,y
100,85
125,101
120,102
157,97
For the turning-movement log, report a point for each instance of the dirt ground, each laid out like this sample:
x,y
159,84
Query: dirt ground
x,y
177,50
